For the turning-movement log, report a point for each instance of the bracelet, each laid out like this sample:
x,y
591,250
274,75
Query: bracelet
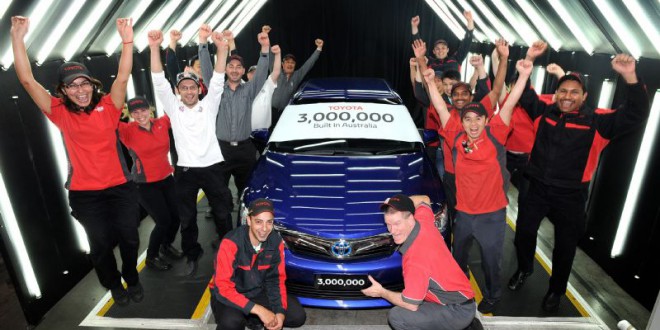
x,y
128,42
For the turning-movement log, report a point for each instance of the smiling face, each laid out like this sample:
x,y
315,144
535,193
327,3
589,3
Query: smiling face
x,y
189,92
142,117
440,50
235,71
399,224
474,125
80,91
447,84
570,96
261,225
461,96
288,66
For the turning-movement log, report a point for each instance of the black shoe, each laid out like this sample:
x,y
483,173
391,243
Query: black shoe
x,y
158,264
191,266
171,252
136,292
551,301
120,296
487,306
518,280
475,325
254,323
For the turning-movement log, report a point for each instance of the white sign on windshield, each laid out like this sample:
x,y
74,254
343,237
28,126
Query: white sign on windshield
x,y
345,121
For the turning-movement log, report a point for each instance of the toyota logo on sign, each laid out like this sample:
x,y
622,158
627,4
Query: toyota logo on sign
x,y
341,249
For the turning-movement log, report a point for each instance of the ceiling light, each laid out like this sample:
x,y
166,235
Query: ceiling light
x,y
613,17
60,28
649,27
180,23
190,32
85,28
3,7
522,28
606,94
37,20
492,36
215,20
541,24
232,15
157,23
481,37
574,27
136,14
246,18
538,77
495,21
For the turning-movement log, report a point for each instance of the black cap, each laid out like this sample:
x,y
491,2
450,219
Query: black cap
x,y
399,202
260,205
68,72
288,56
137,103
235,58
575,76
440,41
475,107
186,75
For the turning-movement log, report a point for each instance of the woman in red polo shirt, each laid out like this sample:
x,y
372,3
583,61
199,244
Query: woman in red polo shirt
x,y
148,142
101,196
477,146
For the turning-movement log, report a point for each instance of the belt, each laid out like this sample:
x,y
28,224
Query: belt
x,y
234,143
467,302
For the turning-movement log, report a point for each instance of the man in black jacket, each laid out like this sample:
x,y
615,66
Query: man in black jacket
x,y
569,138
249,276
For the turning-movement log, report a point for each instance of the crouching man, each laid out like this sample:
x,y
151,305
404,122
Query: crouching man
x,y
437,294
248,283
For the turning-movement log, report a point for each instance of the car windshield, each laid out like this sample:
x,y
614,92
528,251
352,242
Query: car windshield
x,y
346,147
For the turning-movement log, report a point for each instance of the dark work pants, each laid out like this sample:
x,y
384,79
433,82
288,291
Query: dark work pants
x,y
516,163
110,216
230,318
488,230
239,162
449,184
430,316
565,207
188,182
160,200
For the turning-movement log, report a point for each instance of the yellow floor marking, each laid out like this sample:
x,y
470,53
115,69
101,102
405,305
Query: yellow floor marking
x,y
203,303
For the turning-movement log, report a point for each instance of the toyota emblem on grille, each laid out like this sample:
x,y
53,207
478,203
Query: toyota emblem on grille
x,y
341,249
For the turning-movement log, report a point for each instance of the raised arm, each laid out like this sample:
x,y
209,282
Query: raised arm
x,y
155,38
171,61
524,68
529,99
277,63
414,26
503,52
555,70
203,53
466,43
436,99
118,89
419,48
477,61
19,28
223,51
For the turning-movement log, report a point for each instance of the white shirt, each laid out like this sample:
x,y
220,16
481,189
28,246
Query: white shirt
x,y
261,108
193,128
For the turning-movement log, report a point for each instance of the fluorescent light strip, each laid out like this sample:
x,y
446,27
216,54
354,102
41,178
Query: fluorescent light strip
x,y
157,23
3,7
574,27
521,27
458,29
16,241
481,37
130,87
232,15
184,18
606,94
37,20
541,24
492,36
60,28
645,151
191,32
253,11
451,24
538,77
136,14
487,63
501,28
468,69
649,27
85,28
215,20
63,166
628,40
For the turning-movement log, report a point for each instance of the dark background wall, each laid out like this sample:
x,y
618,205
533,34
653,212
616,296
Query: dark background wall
x,y
362,38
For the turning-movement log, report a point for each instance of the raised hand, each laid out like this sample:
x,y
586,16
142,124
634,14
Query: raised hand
x,y
537,48
414,22
624,65
175,35
319,44
419,48
477,60
220,42
502,47
19,27
429,74
275,49
266,28
555,70
229,35
263,39
470,21
524,67
413,62
155,38
204,33
125,29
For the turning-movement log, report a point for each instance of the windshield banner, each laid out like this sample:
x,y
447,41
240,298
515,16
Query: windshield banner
x,y
345,120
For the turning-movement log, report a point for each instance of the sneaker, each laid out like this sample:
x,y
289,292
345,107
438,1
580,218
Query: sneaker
x,y
487,306
136,292
158,264
171,252
120,296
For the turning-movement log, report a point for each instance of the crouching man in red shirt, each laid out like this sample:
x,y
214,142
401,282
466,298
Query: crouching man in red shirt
x,y
437,294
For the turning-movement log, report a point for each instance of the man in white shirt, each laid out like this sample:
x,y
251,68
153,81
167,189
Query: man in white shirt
x,y
199,165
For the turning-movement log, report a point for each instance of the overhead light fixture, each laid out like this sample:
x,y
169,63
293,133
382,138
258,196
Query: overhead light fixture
x,y
645,151
495,21
190,10
60,28
613,17
521,27
467,68
487,63
130,87
136,14
478,21
57,144
157,23
606,94
242,21
649,27
541,24
215,20
538,77
232,15
17,243
37,19
575,28
447,18
481,37
189,33
85,28
3,7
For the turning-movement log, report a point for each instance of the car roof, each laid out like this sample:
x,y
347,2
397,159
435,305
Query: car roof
x,y
374,90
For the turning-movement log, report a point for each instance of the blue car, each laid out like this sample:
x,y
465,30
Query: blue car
x,y
340,148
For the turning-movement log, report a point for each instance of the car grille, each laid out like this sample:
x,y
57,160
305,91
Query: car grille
x,y
302,290
380,245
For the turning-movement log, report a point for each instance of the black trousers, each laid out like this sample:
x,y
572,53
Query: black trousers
x,y
188,182
516,163
566,209
239,162
110,216
160,200
230,318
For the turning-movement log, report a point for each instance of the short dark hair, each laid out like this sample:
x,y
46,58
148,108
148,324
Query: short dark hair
x,y
452,74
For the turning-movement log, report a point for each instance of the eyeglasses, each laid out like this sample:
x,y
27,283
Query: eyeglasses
x,y
188,88
84,85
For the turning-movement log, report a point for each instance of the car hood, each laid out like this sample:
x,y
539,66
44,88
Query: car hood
x,y
339,196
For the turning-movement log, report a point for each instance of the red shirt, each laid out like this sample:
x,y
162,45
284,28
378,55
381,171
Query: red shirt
x,y
148,149
481,175
430,273
521,138
95,158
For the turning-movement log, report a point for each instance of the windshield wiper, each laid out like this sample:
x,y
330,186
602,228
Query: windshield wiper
x,y
397,151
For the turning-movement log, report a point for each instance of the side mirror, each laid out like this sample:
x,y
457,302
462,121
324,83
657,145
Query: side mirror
x,y
429,135
261,135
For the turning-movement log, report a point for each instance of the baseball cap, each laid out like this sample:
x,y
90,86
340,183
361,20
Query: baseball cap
x,y
136,103
69,71
576,76
475,107
186,75
288,56
252,68
235,58
260,205
440,41
399,202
